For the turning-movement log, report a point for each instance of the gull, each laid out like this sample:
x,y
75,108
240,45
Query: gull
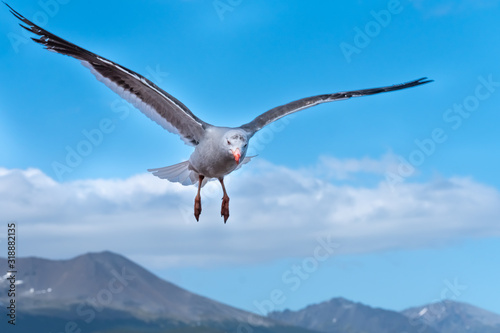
x,y
218,151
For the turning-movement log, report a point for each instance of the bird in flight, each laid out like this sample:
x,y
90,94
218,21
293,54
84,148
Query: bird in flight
x,y
218,150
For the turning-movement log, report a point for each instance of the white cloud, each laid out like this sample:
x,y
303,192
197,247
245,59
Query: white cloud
x,y
348,169
276,212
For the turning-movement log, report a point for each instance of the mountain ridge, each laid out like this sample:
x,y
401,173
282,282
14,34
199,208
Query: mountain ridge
x,y
454,317
95,289
105,292
339,315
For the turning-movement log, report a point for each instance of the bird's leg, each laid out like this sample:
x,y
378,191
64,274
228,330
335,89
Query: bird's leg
x,y
224,211
197,199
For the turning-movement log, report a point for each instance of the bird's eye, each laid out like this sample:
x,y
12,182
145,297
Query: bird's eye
x,y
246,144
228,142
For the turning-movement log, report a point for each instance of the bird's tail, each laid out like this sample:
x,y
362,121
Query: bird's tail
x,y
179,173
182,173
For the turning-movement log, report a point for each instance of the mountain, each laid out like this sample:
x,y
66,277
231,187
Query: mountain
x,y
107,292
455,317
339,315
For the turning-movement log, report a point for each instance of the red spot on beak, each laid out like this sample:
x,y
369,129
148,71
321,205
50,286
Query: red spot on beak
x,y
237,155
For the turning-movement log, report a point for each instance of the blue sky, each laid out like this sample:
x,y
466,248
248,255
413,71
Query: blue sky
x,y
404,183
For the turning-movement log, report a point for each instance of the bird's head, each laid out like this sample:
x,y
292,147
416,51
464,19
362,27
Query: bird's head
x,y
236,142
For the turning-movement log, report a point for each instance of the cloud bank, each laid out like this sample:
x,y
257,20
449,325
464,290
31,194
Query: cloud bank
x,y
276,212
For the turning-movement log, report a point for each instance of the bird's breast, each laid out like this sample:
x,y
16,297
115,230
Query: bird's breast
x,y
212,163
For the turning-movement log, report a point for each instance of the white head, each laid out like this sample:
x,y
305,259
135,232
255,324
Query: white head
x,y
236,143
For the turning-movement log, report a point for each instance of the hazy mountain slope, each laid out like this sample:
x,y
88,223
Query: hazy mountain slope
x,y
102,291
454,317
107,293
340,316
97,280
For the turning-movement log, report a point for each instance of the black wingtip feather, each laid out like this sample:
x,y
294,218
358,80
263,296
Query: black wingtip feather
x,y
424,80
25,27
14,12
50,41
37,40
414,83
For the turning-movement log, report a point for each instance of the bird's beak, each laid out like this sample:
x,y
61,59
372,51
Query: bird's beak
x,y
237,155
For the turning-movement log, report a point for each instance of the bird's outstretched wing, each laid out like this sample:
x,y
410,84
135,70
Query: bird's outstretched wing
x,y
304,103
154,102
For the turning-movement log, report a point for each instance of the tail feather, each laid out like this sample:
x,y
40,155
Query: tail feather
x,y
182,173
179,173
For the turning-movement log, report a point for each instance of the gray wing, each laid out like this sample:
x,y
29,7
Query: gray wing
x,y
304,103
154,102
